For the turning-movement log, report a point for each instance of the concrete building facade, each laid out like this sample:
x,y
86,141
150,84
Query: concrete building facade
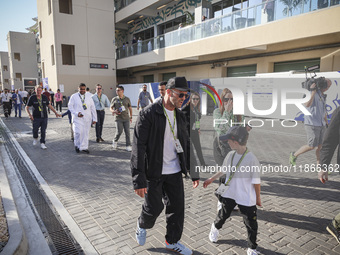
x,y
22,53
236,38
77,44
4,71
140,41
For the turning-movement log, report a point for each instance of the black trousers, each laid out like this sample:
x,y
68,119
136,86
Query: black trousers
x,y
195,139
52,100
99,123
7,108
220,150
170,189
249,219
60,104
42,124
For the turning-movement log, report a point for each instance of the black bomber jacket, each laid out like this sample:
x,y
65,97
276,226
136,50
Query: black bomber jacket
x,y
148,142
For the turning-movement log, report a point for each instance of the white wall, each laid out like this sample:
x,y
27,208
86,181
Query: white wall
x,y
25,44
4,61
91,30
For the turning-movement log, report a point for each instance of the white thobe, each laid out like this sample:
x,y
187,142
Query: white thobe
x,y
82,125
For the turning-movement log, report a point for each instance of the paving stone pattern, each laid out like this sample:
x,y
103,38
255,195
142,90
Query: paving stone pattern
x,y
96,189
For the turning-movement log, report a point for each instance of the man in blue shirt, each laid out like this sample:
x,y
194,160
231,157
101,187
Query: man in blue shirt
x,y
17,101
143,98
315,124
100,102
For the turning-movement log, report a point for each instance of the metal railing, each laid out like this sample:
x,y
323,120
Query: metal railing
x,y
248,17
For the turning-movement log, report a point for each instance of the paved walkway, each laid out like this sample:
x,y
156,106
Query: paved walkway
x,y
96,190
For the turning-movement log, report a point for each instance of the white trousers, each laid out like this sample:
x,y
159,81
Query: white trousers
x,y
81,130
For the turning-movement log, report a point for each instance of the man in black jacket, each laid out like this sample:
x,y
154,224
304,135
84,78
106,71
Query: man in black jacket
x,y
159,154
329,145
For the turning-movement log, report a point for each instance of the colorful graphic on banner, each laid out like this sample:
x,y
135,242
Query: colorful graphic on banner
x,y
213,90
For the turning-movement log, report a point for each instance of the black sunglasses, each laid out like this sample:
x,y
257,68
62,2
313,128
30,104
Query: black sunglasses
x,y
227,99
180,95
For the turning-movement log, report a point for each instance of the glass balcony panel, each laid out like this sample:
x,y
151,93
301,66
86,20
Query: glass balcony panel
x,y
227,23
255,15
281,10
251,16
298,8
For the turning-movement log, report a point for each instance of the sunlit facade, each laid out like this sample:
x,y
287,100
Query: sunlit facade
x,y
77,44
22,59
227,38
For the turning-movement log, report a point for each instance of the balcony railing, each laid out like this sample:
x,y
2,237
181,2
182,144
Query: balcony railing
x,y
120,4
252,16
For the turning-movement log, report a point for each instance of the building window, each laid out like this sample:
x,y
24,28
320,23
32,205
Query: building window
x,y
225,7
49,6
68,55
148,78
43,69
241,71
171,25
65,6
5,68
18,76
52,55
146,34
6,81
40,29
17,56
298,65
167,76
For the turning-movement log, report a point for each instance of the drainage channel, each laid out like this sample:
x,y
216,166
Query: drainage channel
x,y
56,232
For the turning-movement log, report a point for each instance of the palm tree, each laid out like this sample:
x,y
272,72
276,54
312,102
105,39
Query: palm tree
x,y
290,5
190,18
33,29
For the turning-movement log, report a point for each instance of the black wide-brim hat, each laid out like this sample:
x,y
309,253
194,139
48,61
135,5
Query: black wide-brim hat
x,y
179,83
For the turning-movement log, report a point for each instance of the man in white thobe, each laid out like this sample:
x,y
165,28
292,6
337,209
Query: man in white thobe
x,y
84,114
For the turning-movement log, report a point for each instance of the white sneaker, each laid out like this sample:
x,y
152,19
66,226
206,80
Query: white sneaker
x,y
178,247
35,141
114,145
43,146
213,235
140,235
128,148
253,252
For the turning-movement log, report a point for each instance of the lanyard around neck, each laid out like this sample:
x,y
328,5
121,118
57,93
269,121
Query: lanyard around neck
x,y
40,103
172,128
121,100
100,100
82,100
237,165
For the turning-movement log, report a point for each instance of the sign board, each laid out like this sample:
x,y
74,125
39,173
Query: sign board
x,y
29,83
99,66
265,92
61,87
